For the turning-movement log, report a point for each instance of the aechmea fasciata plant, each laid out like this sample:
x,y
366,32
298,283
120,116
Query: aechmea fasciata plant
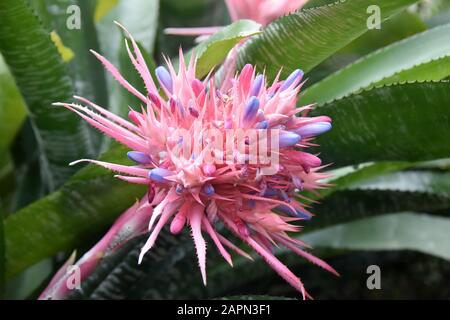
x,y
217,157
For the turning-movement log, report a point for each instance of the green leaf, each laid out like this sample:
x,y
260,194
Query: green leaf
x,y
409,181
349,205
345,177
89,201
12,107
399,231
308,37
214,50
388,123
42,78
431,71
399,27
385,63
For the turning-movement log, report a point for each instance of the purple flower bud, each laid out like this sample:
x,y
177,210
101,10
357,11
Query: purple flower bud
x,y
251,109
284,196
208,189
257,84
298,212
139,157
164,78
313,129
269,192
289,139
294,77
179,189
262,125
159,174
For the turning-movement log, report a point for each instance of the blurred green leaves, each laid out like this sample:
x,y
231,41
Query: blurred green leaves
x,y
86,204
306,38
388,123
428,52
214,50
42,79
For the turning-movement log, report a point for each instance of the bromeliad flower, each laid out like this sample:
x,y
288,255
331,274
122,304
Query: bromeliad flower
x,y
261,11
218,159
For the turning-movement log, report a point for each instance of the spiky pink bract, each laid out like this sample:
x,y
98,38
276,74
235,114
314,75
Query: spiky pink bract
x,y
261,210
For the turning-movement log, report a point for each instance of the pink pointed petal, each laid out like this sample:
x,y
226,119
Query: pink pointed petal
x,y
110,115
236,249
134,171
49,291
213,234
135,180
195,220
116,74
307,256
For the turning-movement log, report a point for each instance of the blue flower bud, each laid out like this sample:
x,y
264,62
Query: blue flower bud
x,y
139,157
294,76
313,129
208,189
262,125
159,174
257,84
289,139
251,109
164,78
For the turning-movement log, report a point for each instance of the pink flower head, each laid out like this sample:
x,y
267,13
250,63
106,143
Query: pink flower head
x,y
212,181
261,11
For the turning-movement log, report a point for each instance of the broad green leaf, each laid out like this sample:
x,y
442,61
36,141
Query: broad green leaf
x,y
345,177
29,281
349,205
89,201
384,63
308,37
12,107
214,50
42,79
431,71
388,123
400,231
399,27
409,181
86,72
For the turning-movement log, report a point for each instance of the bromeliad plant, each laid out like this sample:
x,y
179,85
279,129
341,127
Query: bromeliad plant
x,y
213,179
385,90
